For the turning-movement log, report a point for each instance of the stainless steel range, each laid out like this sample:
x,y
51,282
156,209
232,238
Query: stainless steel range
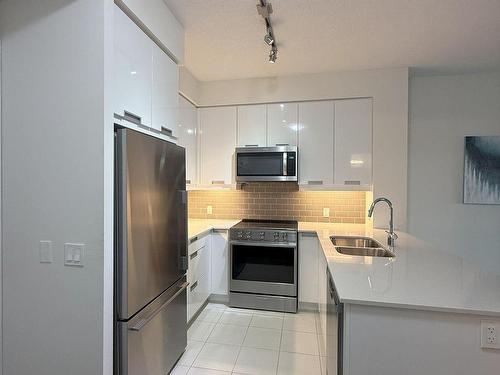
x,y
264,265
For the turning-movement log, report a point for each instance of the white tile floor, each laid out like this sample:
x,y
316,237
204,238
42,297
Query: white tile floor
x,y
225,340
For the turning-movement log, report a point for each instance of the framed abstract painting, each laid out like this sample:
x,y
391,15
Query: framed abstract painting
x,y
482,170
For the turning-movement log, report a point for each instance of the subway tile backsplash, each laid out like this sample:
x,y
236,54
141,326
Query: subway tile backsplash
x,y
278,200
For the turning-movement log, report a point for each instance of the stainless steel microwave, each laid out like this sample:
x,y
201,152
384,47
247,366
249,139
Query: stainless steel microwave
x,y
266,163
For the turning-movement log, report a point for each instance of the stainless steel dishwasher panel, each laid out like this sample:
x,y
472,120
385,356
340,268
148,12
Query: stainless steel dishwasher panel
x,y
334,330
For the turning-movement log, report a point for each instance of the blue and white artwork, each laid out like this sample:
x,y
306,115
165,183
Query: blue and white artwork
x,y
482,170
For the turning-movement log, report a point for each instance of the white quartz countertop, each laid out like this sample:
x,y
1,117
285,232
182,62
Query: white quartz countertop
x,y
419,277
199,227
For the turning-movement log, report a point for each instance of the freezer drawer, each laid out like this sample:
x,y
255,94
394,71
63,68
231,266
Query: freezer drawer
x,y
153,340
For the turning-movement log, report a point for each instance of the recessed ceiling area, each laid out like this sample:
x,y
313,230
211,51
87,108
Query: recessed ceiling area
x,y
224,38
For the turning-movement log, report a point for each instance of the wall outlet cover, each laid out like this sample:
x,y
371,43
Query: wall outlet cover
x,y
489,334
326,212
209,210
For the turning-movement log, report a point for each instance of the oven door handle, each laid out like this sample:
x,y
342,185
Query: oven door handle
x,y
266,244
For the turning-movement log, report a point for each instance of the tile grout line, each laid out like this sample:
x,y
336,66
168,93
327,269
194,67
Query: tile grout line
x,y
205,341
241,346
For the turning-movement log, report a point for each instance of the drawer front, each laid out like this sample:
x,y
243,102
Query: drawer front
x,y
194,265
198,244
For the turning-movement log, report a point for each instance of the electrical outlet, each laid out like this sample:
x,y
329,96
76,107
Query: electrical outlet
x,y
489,331
326,212
209,210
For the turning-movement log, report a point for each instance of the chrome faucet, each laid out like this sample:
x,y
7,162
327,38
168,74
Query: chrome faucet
x,y
391,236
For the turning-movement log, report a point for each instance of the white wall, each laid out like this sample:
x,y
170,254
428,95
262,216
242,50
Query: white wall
x,y
53,184
389,89
444,109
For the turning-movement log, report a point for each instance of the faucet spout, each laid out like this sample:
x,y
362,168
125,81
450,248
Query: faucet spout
x,y
391,235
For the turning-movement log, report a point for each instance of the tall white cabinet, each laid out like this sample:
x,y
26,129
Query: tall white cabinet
x,y
316,134
165,102
217,143
252,126
353,142
146,80
133,69
187,138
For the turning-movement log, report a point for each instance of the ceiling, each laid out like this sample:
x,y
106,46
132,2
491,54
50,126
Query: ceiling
x,y
224,38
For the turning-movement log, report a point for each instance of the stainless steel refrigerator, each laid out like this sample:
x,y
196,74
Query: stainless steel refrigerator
x,y
150,254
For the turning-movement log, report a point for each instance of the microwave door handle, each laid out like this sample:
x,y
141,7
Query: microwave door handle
x,y
285,160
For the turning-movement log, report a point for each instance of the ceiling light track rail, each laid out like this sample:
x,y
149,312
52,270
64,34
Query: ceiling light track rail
x,y
264,8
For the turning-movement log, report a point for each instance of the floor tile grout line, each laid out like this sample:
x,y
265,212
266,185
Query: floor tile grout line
x,y
241,346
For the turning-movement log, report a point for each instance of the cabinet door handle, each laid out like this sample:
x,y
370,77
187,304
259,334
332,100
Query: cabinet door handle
x,y
166,131
352,182
194,255
309,234
193,286
251,145
188,182
132,117
315,182
282,144
219,230
218,182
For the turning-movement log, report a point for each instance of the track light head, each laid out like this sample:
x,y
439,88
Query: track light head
x,y
273,55
268,38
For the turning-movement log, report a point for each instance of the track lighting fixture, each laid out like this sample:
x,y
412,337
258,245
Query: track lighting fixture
x,y
265,9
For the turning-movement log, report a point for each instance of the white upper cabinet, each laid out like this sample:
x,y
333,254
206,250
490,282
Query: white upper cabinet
x,y
188,123
282,124
353,142
252,125
133,68
159,22
316,143
165,97
217,143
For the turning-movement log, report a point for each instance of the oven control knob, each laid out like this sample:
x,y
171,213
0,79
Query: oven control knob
x,y
276,236
262,235
239,234
285,237
248,235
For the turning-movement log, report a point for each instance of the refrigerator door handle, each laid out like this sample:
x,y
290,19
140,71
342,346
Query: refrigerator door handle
x,y
145,320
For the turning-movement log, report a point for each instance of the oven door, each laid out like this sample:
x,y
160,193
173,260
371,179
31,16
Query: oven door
x,y
263,268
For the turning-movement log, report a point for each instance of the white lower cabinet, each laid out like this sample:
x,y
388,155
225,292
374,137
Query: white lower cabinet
x,y
308,267
198,275
220,262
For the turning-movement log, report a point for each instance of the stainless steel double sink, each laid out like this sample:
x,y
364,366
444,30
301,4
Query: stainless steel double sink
x,y
360,246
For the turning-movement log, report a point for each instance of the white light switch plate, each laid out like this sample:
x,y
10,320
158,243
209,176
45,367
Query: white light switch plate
x,y
45,252
489,334
209,210
73,254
